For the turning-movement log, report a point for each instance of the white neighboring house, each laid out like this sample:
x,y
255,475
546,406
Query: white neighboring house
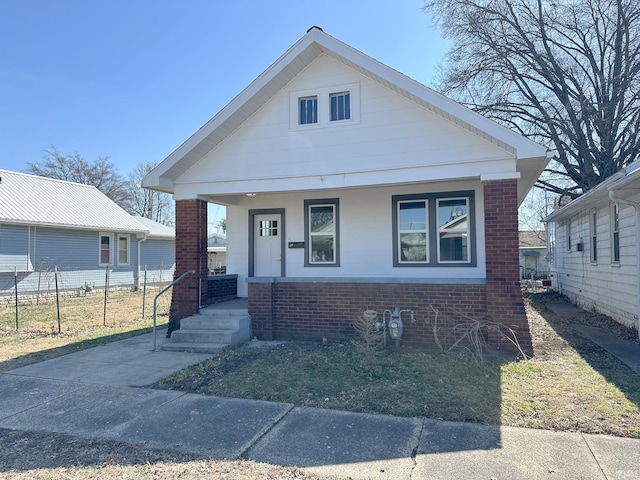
x,y
217,253
533,254
593,247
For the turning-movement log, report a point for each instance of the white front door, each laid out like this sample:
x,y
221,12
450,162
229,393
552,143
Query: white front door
x,y
267,255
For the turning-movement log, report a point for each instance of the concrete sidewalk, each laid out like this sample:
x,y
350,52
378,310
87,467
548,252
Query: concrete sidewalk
x,y
96,394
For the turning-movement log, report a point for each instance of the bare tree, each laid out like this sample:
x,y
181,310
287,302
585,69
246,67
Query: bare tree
x,y
566,73
146,203
100,173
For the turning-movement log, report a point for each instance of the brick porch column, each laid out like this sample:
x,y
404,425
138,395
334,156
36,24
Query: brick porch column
x,y
505,304
191,254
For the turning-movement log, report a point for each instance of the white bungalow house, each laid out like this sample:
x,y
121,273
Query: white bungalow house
x,y
593,247
348,187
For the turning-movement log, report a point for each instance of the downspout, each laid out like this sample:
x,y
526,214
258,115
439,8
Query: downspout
x,y
636,206
144,237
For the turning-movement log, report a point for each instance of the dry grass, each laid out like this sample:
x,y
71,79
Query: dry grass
x,y
82,325
569,385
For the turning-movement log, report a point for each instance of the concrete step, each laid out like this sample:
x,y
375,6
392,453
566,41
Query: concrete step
x,y
210,331
229,337
212,322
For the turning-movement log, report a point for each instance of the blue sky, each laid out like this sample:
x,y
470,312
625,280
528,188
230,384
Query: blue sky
x,y
133,79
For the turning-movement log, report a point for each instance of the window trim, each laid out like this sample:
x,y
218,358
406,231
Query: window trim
x,y
323,95
335,203
433,231
567,227
102,235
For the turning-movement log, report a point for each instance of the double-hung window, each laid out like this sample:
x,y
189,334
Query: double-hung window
x,y
123,250
322,232
105,253
593,230
434,229
412,231
615,233
453,230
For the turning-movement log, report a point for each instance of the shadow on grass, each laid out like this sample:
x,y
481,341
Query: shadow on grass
x,y
50,353
565,320
406,383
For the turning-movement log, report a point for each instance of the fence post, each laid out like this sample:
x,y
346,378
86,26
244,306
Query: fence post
x,y
15,286
55,274
106,290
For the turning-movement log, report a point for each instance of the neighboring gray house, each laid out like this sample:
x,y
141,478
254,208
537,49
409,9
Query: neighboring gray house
x,y
533,254
593,247
48,224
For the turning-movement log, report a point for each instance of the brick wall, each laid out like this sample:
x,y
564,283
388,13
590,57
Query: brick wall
x,y
504,296
313,311
221,288
191,254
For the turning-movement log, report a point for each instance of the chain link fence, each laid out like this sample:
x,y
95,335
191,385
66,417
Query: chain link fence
x,y
57,300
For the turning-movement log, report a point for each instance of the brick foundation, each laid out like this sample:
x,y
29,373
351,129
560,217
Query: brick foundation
x,y
312,311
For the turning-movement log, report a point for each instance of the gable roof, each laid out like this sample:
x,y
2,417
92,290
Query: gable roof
x,y
32,200
626,181
293,62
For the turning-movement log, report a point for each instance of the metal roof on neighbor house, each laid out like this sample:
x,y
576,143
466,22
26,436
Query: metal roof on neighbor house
x,y
155,229
32,200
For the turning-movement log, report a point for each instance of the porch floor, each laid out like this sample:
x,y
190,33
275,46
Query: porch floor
x,y
235,304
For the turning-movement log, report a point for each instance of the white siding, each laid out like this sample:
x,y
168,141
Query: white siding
x,y
395,141
366,243
604,287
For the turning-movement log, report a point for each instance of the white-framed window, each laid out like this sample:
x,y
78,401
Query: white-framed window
x,y
340,106
105,254
567,227
308,110
434,229
123,249
322,232
330,106
615,234
593,233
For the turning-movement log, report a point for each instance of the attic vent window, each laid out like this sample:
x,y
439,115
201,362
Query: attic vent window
x,y
340,104
331,106
308,110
